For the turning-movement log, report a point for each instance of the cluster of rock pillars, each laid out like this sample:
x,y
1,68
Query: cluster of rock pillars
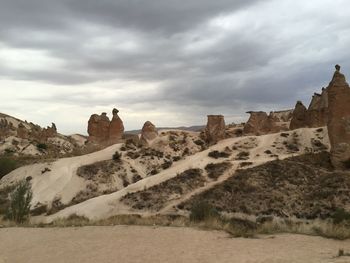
x,y
330,108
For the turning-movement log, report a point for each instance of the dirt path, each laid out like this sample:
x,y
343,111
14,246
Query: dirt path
x,y
149,244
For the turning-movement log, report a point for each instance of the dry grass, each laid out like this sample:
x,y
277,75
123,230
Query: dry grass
x,y
236,227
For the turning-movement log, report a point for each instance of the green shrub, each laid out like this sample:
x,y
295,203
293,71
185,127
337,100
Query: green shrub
x,y
6,166
202,211
117,156
242,156
20,200
41,147
217,154
340,215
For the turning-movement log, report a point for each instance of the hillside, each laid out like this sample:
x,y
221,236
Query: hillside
x,y
303,187
152,179
22,138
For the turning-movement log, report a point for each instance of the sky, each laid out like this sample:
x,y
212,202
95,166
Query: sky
x,y
166,61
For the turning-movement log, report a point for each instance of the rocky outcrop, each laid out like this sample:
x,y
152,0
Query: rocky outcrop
x,y
339,120
48,132
149,132
256,123
22,131
102,130
317,113
116,128
299,119
282,116
215,129
260,123
6,128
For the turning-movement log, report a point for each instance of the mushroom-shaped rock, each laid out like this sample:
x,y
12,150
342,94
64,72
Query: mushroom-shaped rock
x,y
339,120
116,128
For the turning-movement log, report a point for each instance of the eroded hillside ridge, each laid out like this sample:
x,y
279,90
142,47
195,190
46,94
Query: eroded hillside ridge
x,y
26,138
304,187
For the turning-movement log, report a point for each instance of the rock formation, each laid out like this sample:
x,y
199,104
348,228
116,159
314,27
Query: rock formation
x,y
282,116
98,128
215,129
48,132
22,131
256,123
6,128
116,128
260,123
102,130
317,113
149,132
339,120
299,119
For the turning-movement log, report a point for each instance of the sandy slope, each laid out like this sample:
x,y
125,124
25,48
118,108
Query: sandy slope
x,y
150,244
61,180
108,205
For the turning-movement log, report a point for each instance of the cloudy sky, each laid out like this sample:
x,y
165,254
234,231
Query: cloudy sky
x,y
167,61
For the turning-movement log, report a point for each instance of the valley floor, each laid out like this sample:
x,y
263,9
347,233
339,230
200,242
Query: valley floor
x,y
160,244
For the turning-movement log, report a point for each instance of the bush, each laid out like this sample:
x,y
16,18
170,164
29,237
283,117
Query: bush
x,y
216,170
6,166
202,211
167,164
199,142
41,147
116,156
217,154
340,215
20,202
242,156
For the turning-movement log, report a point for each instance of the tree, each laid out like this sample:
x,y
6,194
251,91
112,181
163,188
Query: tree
x,y
20,200
6,166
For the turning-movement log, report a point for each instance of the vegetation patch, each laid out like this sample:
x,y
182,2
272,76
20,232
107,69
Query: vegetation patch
x,y
7,165
156,197
242,156
217,154
285,188
215,170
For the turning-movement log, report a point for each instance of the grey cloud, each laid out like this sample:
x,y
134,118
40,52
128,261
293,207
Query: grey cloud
x,y
263,62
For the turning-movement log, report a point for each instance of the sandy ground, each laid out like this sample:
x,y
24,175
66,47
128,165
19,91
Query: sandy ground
x,y
164,244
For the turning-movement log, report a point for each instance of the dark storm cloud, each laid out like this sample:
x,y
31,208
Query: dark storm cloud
x,y
223,55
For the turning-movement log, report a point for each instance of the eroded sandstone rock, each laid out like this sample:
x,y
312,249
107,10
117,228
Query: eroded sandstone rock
x,y
260,123
22,131
339,120
116,128
215,129
256,123
300,117
102,130
149,132
317,113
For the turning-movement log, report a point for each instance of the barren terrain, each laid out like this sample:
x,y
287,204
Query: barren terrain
x,y
160,244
